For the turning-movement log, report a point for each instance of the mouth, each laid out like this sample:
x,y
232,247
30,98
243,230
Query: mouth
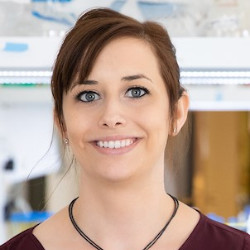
x,y
115,144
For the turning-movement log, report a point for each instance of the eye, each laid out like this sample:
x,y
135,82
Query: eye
x,y
88,96
136,92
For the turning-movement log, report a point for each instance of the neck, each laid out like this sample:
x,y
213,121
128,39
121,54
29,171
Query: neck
x,y
121,210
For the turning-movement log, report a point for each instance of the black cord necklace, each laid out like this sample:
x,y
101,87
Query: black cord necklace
x,y
149,245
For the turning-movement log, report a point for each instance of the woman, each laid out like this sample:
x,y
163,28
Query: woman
x,y
117,100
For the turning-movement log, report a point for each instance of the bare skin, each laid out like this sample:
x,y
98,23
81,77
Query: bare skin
x,y
122,202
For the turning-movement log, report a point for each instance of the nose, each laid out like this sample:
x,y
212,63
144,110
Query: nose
x,y
111,116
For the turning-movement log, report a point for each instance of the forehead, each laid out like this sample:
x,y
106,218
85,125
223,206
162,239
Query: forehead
x,y
125,55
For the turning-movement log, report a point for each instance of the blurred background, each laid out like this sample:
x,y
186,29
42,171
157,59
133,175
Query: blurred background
x,y
210,168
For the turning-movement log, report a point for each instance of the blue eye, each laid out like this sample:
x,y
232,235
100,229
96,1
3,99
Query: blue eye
x,y
88,96
136,92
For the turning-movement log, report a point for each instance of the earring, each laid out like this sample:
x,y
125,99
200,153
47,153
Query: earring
x,y
175,131
66,140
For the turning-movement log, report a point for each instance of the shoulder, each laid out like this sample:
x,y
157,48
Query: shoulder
x,y
209,234
24,240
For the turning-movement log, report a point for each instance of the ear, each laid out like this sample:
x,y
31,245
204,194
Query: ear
x,y
181,114
60,125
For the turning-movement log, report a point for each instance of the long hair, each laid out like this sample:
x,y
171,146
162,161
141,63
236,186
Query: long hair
x,y
95,29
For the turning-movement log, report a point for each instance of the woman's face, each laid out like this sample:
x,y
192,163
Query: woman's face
x,y
117,121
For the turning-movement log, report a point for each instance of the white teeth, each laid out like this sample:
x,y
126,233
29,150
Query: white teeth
x,y
111,144
127,142
114,144
123,143
117,144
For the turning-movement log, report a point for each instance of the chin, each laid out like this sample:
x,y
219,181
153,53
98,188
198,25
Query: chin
x,y
112,173
117,175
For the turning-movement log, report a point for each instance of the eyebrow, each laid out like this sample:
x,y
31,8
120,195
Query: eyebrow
x,y
135,77
89,82
85,82
124,78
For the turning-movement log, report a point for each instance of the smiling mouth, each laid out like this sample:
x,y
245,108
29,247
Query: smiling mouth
x,y
116,144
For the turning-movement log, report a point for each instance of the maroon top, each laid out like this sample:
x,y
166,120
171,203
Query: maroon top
x,y
207,235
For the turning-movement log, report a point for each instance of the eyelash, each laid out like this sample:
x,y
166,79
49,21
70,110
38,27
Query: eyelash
x,y
79,96
136,88
146,91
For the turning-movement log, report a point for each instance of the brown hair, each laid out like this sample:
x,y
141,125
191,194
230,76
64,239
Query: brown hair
x,y
93,30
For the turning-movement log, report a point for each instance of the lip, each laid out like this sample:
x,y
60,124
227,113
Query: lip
x,y
115,138
115,151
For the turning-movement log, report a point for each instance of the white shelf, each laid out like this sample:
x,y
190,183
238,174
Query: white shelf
x,y
25,95
219,97
196,52
215,53
215,71
30,53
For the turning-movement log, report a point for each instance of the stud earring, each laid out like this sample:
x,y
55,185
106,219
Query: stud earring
x,y
175,131
66,140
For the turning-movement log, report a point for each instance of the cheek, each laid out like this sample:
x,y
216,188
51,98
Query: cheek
x,y
155,120
76,127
